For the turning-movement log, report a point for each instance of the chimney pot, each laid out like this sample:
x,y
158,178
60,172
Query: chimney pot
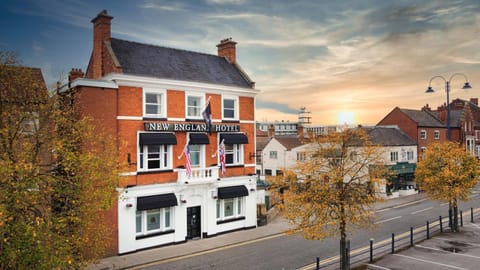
x,y
74,74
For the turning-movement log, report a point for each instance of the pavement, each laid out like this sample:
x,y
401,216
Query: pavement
x,y
447,250
274,228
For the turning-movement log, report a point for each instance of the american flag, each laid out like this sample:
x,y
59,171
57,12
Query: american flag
x,y
188,165
221,153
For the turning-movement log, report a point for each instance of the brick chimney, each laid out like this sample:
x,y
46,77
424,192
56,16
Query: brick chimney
x,y
474,101
101,33
226,48
74,74
271,131
300,131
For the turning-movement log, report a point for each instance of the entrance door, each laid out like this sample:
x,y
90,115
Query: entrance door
x,y
193,222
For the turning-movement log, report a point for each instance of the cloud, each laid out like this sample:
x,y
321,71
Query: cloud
x,y
226,2
284,108
176,6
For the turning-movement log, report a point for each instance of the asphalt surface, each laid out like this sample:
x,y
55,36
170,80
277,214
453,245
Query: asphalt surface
x,y
267,248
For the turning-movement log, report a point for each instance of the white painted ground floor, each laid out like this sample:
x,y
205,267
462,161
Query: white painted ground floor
x,y
162,214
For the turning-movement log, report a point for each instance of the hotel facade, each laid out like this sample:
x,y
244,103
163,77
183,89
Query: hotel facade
x,y
150,100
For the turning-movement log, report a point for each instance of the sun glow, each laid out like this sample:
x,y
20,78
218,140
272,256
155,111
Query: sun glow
x,y
345,117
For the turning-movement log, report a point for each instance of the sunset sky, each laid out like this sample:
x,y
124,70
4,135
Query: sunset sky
x,y
345,61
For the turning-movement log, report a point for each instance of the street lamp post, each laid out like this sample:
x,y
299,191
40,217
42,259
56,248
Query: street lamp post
x,y
447,90
452,210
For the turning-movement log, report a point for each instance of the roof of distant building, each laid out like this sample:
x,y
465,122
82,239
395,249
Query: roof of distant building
x,y
289,142
262,142
168,63
423,118
388,136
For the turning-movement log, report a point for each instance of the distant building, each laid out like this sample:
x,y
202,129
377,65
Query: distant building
x,y
464,122
303,127
399,155
422,126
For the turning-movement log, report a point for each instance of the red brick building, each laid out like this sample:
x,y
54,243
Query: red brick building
x,y
420,125
151,99
464,122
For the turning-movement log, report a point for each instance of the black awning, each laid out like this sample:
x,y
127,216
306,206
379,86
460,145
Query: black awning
x,y
232,192
234,138
156,201
199,138
157,138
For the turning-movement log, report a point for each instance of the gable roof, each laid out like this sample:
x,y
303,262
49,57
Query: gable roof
x,y
168,63
22,85
388,136
261,143
423,118
289,142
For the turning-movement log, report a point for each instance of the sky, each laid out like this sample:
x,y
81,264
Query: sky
x,y
347,62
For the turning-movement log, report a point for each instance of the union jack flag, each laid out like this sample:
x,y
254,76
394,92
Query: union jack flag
x,y
221,153
188,165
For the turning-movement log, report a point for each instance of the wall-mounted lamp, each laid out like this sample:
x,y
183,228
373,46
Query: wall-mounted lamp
x,y
129,205
214,194
186,182
129,160
182,200
252,189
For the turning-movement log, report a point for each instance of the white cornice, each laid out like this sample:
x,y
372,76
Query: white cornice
x,y
89,83
139,81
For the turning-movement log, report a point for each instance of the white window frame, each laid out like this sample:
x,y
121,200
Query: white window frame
x,y
166,151
393,156
273,155
423,134
143,223
436,135
201,155
410,155
202,105
238,208
237,152
163,102
235,109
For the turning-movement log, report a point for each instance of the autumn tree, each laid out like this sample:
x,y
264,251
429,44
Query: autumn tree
x,y
448,173
57,175
333,192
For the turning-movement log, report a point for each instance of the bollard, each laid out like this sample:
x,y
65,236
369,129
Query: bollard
x,y
461,218
440,222
411,236
348,254
450,218
471,215
428,230
393,243
371,250
318,263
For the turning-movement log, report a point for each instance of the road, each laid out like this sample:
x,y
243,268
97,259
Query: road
x,y
293,252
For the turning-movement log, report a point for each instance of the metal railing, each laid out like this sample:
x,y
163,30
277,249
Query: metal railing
x,y
369,253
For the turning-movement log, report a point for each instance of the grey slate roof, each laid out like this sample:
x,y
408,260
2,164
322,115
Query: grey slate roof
x,y
168,63
423,118
388,136
289,142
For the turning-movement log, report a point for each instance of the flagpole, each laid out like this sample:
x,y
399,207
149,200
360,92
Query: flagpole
x,y
215,154
206,103
183,150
